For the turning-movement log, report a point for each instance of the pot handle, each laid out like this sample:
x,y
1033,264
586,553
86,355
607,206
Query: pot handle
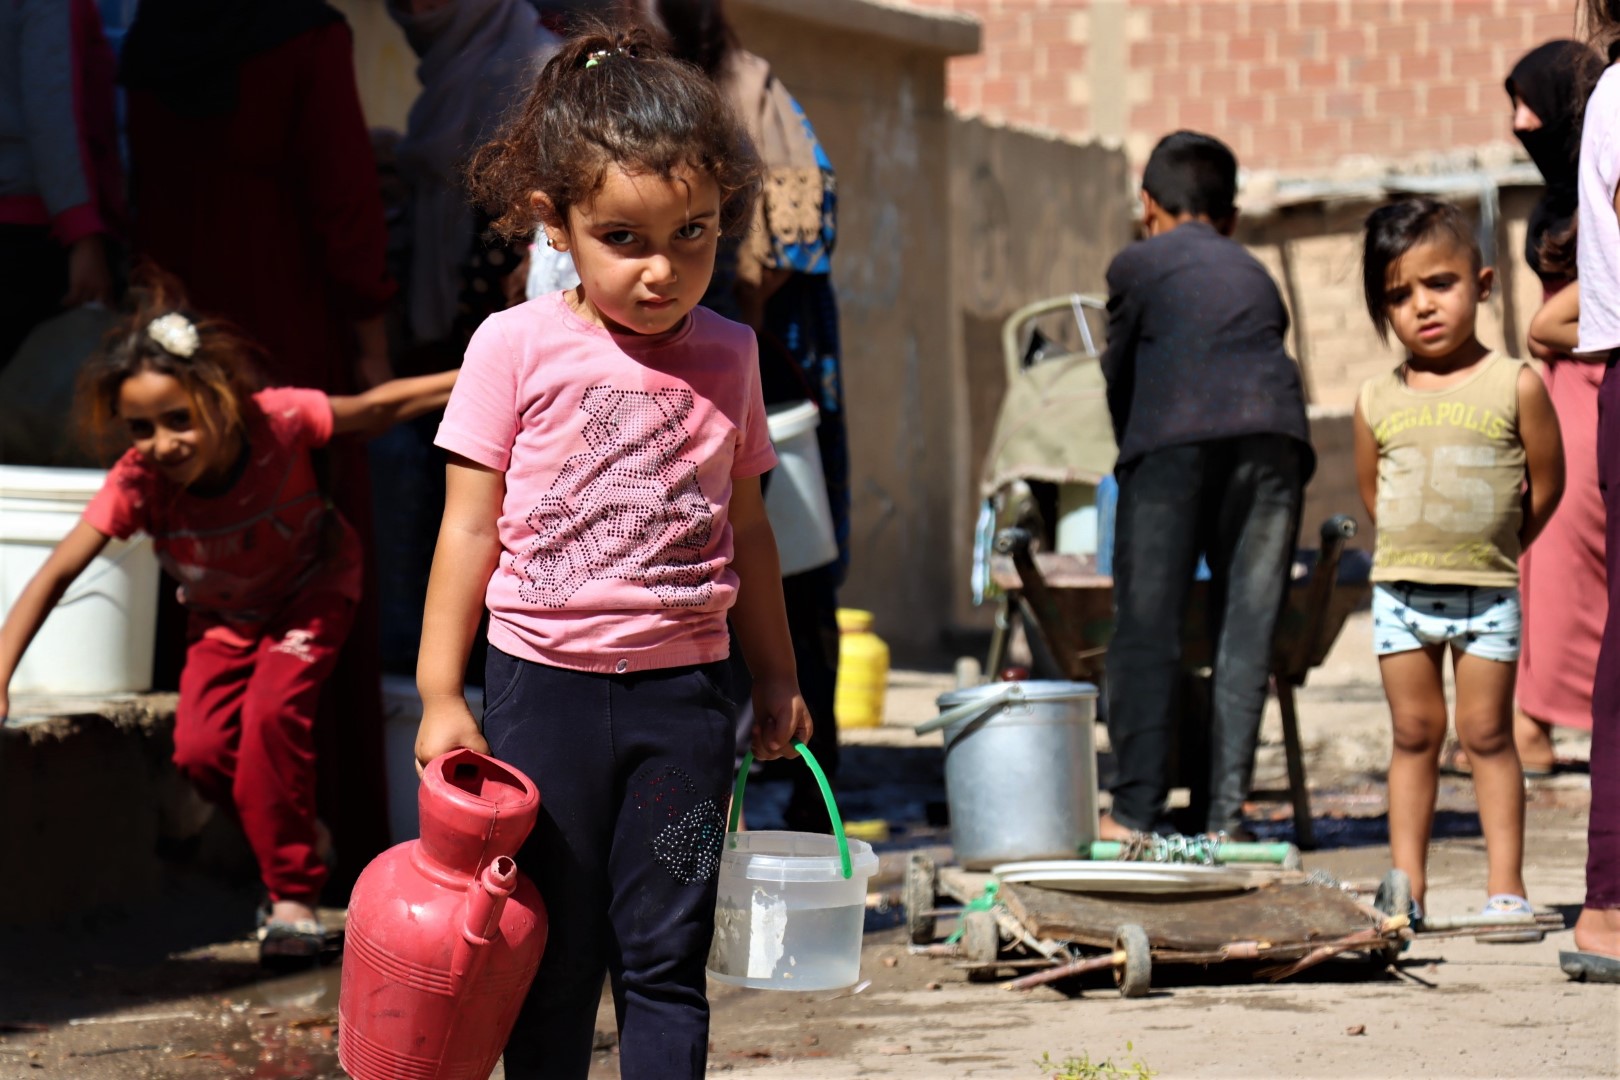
x,y
826,794
1010,691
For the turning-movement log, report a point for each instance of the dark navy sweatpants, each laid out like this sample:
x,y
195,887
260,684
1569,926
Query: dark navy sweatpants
x,y
634,773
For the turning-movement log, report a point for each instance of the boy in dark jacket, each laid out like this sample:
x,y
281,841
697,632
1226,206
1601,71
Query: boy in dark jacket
x,y
1214,452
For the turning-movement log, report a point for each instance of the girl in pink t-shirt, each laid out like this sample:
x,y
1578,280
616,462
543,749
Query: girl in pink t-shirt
x,y
603,503
218,474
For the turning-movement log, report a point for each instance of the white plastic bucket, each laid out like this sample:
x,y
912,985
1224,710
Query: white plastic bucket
x,y
796,496
98,640
791,909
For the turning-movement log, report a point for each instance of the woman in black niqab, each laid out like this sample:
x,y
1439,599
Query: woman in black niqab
x,y
1562,629
1547,87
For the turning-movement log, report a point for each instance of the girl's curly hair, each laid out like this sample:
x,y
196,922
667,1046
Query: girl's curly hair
x,y
218,376
610,98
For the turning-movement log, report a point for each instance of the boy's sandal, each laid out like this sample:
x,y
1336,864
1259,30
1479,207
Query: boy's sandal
x,y
291,945
1508,904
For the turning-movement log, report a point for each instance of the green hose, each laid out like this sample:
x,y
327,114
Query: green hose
x,y
1230,851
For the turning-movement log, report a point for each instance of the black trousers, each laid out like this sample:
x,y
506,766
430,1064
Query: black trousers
x,y
1236,501
634,773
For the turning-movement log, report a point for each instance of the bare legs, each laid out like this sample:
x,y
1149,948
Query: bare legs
x,y
1413,683
1534,740
1598,931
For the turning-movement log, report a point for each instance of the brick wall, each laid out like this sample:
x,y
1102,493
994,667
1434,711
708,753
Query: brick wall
x,y
1292,85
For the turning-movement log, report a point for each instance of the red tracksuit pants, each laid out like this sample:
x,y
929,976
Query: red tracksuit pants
x,y
244,732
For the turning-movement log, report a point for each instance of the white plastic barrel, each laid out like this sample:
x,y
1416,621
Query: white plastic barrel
x,y
796,496
98,640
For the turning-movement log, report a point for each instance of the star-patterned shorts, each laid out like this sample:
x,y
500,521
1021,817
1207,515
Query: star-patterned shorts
x,y
1477,620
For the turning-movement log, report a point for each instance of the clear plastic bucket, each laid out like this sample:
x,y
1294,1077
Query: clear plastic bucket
x,y
791,910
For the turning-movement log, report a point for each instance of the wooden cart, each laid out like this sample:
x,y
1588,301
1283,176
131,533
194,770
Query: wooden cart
x,y
1289,923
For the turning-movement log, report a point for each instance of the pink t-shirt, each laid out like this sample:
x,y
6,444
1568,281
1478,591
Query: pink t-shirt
x,y
619,453
242,552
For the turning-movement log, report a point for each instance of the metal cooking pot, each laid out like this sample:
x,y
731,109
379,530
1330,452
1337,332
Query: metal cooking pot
x,y
1020,770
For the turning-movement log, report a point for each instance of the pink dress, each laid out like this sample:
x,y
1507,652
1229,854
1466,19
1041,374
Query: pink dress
x,y
1563,585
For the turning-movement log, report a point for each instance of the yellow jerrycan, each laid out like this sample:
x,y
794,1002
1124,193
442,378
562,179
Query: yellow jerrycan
x,y
863,671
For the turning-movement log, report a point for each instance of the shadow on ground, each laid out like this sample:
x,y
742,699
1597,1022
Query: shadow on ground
x,y
159,950
1358,832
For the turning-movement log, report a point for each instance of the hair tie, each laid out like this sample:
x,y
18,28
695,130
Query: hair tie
x,y
175,334
595,58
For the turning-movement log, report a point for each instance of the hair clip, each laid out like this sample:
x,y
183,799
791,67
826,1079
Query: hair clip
x,y
175,333
597,57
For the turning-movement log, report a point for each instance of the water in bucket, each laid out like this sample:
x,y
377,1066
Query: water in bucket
x,y
792,906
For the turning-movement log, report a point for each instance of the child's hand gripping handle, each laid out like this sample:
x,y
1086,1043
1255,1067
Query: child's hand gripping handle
x,y
780,718
447,724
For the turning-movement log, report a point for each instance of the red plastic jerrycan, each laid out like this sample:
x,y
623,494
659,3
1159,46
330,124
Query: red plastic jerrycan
x,y
444,935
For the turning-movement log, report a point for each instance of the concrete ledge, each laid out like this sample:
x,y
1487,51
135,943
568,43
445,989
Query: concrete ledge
x,y
922,28
85,789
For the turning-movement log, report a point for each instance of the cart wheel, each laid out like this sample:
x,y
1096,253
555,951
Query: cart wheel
x,y
981,937
922,888
1135,975
1394,897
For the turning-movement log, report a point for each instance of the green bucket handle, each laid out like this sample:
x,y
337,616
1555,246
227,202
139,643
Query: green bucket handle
x,y
826,793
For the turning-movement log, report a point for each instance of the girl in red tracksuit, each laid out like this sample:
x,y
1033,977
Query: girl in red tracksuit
x,y
218,472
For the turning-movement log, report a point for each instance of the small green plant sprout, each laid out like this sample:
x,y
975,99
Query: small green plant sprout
x,y
1083,1068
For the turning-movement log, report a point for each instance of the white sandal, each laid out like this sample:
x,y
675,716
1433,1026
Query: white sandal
x,y
1508,904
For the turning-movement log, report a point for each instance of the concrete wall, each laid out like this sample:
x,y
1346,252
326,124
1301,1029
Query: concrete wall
x,y
871,78
1332,489
1033,217
1291,84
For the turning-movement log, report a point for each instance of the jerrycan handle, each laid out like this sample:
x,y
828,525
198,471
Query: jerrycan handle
x,y
826,794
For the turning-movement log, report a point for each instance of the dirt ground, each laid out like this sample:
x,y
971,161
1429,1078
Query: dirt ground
x,y
173,991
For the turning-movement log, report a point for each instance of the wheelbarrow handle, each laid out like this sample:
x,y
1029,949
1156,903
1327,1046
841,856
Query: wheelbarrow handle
x,y
1339,527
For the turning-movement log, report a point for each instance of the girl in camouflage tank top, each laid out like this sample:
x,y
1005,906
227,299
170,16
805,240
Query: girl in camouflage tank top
x,y
1460,463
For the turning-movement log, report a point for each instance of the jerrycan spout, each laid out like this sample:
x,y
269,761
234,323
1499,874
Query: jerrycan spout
x,y
481,922
485,901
